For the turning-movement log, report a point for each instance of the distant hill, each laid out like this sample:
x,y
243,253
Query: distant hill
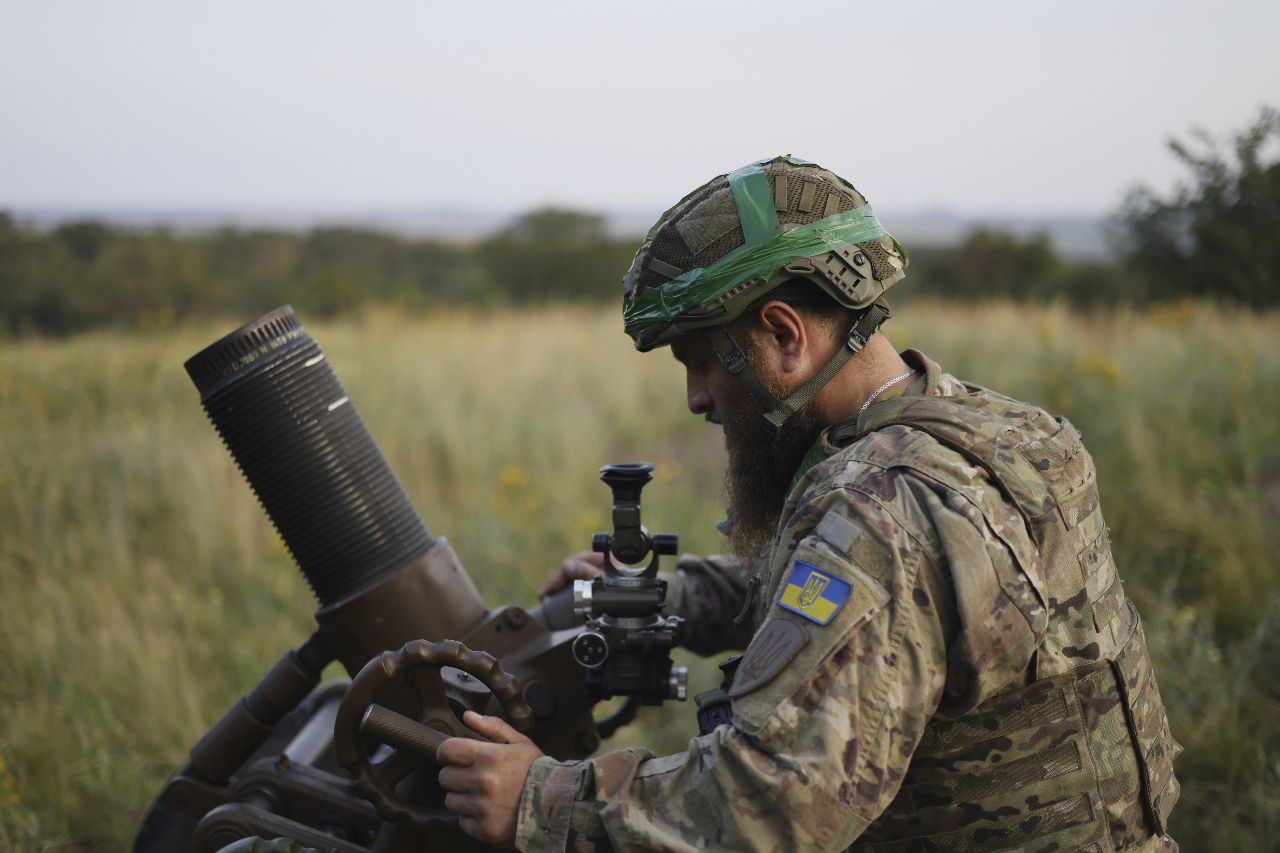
x,y
1074,238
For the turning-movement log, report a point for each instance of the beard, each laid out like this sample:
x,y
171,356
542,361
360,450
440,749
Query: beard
x,y
759,473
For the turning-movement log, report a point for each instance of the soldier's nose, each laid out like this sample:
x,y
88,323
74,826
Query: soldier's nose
x,y
700,401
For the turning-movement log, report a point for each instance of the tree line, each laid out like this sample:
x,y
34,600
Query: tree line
x,y
1215,237
82,275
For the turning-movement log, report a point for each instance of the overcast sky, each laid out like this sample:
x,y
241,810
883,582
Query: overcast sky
x,y
979,107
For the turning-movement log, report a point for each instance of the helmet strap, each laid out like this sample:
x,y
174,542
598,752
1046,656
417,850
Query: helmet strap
x,y
778,411
736,363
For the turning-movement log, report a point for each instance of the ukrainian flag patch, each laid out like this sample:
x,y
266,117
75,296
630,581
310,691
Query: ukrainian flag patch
x,y
813,593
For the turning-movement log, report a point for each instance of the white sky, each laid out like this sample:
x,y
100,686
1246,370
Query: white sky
x,y
980,107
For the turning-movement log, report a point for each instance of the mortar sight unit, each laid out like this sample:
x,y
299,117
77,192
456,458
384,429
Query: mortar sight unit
x,y
349,766
627,645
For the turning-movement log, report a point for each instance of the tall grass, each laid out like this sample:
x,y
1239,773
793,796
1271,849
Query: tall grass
x,y
142,589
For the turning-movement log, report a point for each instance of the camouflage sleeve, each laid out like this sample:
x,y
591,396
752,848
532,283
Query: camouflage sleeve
x,y
853,658
709,594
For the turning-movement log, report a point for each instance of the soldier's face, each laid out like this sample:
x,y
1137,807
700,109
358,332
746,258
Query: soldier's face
x,y
759,473
708,383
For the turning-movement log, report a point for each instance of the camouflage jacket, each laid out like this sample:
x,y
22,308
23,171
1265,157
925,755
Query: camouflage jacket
x,y
891,602
709,595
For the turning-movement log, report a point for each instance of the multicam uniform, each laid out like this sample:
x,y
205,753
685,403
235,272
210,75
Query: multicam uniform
x,y
944,660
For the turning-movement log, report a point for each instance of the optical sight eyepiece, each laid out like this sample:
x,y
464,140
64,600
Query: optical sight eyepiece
x,y
626,479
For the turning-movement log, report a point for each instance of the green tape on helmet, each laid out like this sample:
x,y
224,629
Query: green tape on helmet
x,y
761,260
740,235
754,201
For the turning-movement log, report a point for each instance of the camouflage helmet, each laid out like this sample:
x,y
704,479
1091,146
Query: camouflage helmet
x,y
743,235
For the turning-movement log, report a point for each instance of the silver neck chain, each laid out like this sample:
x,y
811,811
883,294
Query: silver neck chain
x,y
880,390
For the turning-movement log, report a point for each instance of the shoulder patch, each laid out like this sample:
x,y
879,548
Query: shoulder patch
x,y
813,593
771,650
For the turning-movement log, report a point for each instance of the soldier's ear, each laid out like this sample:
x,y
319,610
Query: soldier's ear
x,y
782,331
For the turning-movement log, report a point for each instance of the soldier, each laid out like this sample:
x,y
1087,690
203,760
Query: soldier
x,y
940,655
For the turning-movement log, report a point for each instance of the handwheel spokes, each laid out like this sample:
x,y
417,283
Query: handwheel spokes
x,y
414,741
433,702
398,765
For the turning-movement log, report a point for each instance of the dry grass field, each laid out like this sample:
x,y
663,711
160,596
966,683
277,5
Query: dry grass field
x,y
142,588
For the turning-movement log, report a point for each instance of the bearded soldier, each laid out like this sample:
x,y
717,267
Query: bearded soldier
x,y
939,652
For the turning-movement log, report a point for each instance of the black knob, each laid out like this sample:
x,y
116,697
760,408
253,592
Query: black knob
x,y
666,543
600,543
729,666
590,648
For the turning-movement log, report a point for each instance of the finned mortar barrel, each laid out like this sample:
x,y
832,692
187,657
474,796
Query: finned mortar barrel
x,y
305,450
381,579
380,576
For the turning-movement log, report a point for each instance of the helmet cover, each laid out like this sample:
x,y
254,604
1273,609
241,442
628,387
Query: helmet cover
x,y
741,235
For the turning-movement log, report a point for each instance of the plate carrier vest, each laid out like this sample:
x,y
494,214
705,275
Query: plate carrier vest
x,y
1081,758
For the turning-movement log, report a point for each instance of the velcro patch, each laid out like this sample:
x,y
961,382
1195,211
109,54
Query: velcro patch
x,y
714,217
814,594
664,268
770,651
838,531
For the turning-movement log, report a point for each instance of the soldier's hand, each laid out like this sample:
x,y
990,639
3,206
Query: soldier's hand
x,y
484,780
579,567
